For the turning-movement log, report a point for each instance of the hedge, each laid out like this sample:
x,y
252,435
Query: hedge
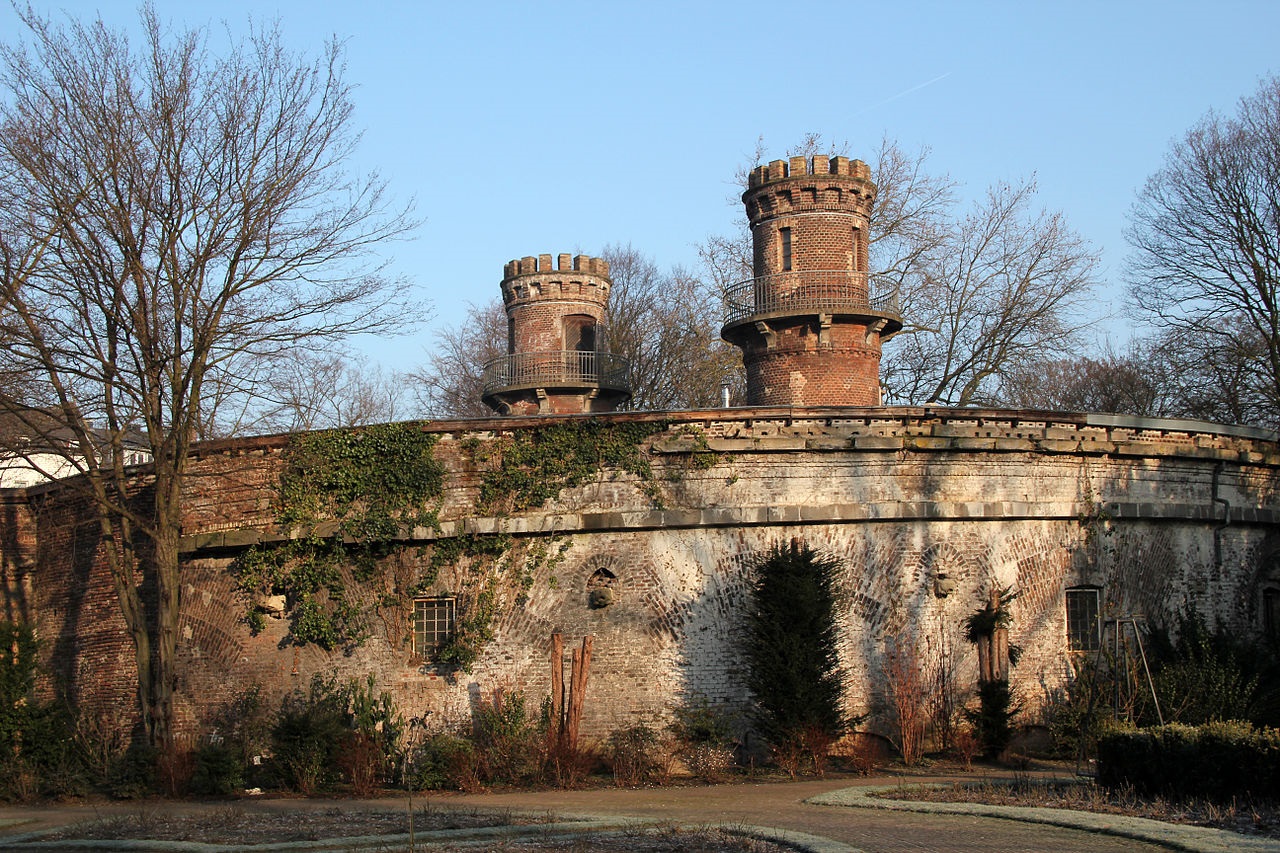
x,y
1218,761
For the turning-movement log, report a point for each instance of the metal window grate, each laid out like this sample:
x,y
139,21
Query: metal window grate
x,y
433,620
1083,627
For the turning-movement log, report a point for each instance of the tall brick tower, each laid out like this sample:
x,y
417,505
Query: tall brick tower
x,y
808,325
556,363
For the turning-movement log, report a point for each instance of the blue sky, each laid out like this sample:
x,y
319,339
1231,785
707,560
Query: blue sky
x,y
527,128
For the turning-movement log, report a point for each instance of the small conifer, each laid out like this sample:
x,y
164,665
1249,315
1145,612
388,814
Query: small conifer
x,y
795,672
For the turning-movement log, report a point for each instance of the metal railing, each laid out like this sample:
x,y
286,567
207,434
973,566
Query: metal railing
x,y
557,369
808,291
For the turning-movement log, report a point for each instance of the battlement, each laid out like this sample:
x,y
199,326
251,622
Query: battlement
x,y
819,165
529,265
577,278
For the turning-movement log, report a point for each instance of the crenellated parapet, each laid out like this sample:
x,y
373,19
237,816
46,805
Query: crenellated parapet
x,y
807,185
578,278
819,165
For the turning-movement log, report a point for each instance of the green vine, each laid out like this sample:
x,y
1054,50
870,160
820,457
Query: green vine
x,y
529,467
485,560
345,496
365,484
472,632
369,480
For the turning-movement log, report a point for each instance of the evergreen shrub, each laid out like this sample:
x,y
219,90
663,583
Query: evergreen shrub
x,y
1218,761
794,669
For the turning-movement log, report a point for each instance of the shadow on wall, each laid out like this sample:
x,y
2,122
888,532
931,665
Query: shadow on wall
x,y
17,567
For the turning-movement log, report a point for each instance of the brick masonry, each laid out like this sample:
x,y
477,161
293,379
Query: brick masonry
x,y
812,338
553,308
1155,513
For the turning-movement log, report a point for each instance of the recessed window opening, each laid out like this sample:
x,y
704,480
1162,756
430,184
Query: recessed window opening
x,y
786,248
1271,612
580,333
433,621
1084,627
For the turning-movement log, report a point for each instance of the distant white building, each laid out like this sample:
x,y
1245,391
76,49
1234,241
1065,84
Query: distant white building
x,y
36,448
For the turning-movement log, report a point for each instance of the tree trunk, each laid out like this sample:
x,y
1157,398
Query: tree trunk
x,y
164,674
1000,654
557,688
578,690
168,528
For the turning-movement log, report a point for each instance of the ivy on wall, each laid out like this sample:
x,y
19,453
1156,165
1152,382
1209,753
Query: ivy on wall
x,y
369,480
345,496
527,468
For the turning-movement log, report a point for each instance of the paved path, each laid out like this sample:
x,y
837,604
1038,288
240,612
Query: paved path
x,y
782,805
772,804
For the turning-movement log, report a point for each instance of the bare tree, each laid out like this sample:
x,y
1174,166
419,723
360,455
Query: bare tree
x,y
1205,267
911,219
1136,381
168,216
327,391
1225,383
451,383
980,294
1003,287
668,327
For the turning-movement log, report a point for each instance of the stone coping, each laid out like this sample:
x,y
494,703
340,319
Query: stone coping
x,y
920,420
760,516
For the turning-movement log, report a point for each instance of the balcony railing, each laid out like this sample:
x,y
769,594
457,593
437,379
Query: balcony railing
x,y
563,369
811,291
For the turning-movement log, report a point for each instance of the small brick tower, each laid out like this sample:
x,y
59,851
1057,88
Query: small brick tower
x,y
556,363
808,325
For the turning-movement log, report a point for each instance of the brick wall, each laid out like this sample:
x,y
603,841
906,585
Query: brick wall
x,y
905,497
804,365
548,305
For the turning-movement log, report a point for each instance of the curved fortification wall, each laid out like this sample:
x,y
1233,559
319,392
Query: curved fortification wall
x,y
926,508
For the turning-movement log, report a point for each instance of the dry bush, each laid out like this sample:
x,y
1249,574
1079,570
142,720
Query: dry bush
x,y
176,765
362,763
967,745
860,752
632,755
100,742
789,755
909,697
710,762
569,766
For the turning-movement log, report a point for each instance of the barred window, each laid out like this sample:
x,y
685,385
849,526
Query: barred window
x,y
432,624
1084,629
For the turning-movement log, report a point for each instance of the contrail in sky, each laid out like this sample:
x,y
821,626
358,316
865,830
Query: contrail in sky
x,y
903,93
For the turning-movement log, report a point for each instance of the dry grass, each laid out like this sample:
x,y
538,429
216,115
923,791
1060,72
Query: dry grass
x,y
1247,817
237,827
